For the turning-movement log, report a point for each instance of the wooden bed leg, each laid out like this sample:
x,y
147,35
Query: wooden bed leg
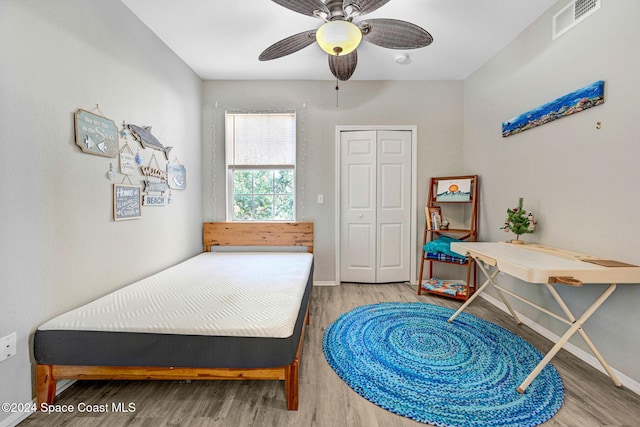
x,y
45,385
291,385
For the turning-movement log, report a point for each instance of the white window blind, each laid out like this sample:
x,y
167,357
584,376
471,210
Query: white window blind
x,y
261,140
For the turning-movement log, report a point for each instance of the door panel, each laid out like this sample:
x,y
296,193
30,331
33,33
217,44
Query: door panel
x,y
391,242
360,178
390,198
357,259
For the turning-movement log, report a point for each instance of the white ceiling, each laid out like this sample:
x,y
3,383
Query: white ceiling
x,y
222,39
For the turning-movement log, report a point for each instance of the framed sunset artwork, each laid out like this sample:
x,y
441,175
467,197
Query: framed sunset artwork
x,y
453,190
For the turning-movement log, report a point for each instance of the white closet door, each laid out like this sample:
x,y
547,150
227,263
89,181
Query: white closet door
x,y
375,201
358,206
393,206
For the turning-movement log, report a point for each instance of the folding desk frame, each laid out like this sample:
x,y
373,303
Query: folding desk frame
x,y
487,263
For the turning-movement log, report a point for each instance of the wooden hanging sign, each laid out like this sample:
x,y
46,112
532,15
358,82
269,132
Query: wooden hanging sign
x,y
127,160
96,134
152,186
154,172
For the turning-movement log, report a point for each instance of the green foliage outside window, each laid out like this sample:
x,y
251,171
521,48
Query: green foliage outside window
x,y
263,195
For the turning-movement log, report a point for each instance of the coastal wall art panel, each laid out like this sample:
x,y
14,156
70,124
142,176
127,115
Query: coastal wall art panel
x,y
571,103
96,134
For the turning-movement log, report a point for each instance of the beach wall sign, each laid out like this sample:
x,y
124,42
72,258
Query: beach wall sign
x,y
571,103
96,134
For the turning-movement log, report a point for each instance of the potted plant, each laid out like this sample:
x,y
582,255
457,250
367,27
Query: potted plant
x,y
519,221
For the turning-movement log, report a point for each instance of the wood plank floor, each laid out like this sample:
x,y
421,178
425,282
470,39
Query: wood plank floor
x,y
591,398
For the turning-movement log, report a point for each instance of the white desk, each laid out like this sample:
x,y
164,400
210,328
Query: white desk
x,y
546,265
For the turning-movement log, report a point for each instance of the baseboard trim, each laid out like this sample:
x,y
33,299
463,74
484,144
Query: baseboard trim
x,y
586,357
324,283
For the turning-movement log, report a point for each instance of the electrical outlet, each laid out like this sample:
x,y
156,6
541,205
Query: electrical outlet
x,y
8,346
320,198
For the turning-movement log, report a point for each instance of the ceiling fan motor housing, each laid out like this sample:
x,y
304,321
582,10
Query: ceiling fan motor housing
x,y
335,9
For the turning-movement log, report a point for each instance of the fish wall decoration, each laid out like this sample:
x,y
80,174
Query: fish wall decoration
x,y
146,139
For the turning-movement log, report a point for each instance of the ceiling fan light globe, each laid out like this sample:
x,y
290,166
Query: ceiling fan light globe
x,y
338,37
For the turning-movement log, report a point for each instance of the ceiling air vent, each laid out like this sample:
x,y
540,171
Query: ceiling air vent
x,y
572,14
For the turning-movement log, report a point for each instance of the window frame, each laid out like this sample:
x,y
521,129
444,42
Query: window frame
x,y
230,169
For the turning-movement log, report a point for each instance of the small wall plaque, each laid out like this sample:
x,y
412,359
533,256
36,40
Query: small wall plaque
x,y
176,176
153,200
151,186
127,160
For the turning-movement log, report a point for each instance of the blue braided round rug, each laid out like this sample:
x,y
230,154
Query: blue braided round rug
x,y
406,358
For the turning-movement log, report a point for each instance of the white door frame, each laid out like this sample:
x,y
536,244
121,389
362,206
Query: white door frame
x,y
414,191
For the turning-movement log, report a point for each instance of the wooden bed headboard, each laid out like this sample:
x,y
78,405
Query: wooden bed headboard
x,y
257,234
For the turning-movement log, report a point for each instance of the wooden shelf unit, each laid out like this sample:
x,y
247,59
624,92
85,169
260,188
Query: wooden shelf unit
x,y
466,230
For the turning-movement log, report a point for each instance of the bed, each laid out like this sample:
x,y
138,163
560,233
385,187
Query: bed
x,y
218,316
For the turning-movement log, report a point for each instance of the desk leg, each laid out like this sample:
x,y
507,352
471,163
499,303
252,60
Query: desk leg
x,y
504,300
489,280
601,299
576,326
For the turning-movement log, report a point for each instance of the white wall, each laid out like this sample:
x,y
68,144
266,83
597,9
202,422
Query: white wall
x,y
579,181
59,246
434,106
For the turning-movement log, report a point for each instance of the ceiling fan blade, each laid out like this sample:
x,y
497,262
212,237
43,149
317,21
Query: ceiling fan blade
x,y
394,34
365,6
343,66
289,45
305,7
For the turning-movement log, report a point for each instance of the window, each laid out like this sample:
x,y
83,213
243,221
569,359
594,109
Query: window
x,y
260,157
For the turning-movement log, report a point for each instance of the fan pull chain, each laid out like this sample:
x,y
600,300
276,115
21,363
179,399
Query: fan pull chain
x,y
337,93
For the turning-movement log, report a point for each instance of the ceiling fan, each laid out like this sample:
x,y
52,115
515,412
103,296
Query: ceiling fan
x,y
339,36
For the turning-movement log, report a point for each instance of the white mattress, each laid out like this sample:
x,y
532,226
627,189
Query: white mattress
x,y
256,294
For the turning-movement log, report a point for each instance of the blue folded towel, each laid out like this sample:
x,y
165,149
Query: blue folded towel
x,y
442,245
